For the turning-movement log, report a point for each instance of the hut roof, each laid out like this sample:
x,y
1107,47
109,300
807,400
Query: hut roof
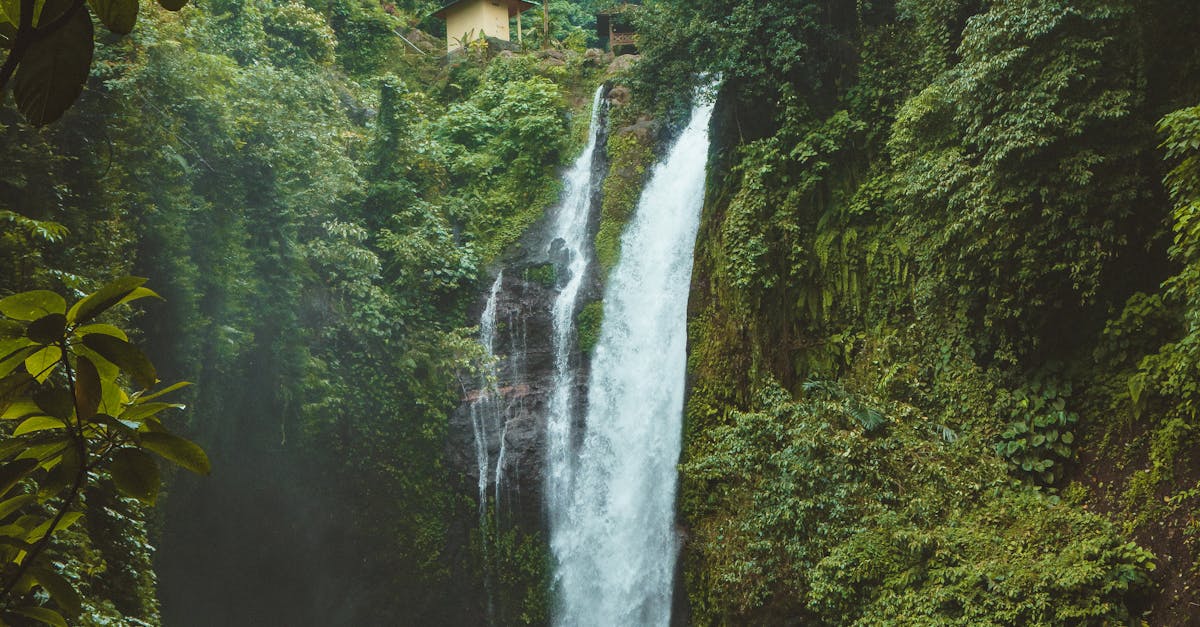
x,y
514,7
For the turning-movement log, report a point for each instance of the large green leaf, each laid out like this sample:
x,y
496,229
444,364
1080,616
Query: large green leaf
x,y
135,474
112,398
52,73
13,472
39,423
41,364
10,12
88,390
166,390
125,355
139,293
128,430
60,589
11,346
18,529
47,329
48,452
11,506
13,387
20,409
30,306
61,475
12,360
12,446
118,16
102,299
103,329
56,402
138,413
108,371
179,450
11,329
41,615
44,529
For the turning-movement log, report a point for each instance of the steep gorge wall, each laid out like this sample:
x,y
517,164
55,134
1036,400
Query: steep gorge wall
x,y
886,292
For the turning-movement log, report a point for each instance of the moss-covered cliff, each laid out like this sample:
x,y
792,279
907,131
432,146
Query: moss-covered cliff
x,y
941,356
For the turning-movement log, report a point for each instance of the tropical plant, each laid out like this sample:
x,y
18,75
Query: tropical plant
x,y
1038,434
80,396
50,46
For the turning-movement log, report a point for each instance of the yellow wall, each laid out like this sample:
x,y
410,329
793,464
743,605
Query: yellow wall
x,y
481,16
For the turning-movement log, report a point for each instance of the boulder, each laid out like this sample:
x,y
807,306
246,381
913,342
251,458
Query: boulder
x,y
496,45
424,40
619,96
594,57
622,63
644,129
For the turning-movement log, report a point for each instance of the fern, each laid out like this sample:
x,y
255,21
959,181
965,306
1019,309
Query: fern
x,y
44,230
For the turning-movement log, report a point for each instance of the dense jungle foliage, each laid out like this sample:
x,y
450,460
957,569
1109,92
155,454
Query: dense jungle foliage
x,y
941,237
316,201
944,327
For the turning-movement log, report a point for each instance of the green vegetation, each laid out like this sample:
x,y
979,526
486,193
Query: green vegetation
x,y
944,329
317,201
953,211
587,325
62,384
629,159
848,518
545,275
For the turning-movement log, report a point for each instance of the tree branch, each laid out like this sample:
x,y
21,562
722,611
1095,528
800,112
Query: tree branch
x,y
80,476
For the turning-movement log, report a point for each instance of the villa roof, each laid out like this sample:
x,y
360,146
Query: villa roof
x,y
514,7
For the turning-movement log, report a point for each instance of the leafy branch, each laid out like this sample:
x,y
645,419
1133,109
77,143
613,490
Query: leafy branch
x,y
50,49
61,382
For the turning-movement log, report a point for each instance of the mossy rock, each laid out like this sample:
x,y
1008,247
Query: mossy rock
x,y
630,159
587,323
544,274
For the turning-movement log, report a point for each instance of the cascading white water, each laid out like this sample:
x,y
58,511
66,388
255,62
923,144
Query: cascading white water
x,y
485,409
571,233
486,415
614,541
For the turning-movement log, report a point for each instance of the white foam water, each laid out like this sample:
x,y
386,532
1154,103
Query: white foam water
x,y
612,523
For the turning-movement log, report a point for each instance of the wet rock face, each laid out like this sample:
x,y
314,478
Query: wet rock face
x,y
518,403
525,377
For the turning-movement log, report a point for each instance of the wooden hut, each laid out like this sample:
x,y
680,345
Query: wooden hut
x,y
473,19
614,27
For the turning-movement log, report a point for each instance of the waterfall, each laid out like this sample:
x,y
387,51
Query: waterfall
x,y
570,238
486,415
486,412
614,539
492,405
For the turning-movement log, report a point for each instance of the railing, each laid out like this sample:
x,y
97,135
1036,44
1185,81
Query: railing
x,y
622,39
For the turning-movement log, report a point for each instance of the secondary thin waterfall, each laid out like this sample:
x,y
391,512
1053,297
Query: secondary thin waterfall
x,y
490,409
486,416
570,235
615,542
486,412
